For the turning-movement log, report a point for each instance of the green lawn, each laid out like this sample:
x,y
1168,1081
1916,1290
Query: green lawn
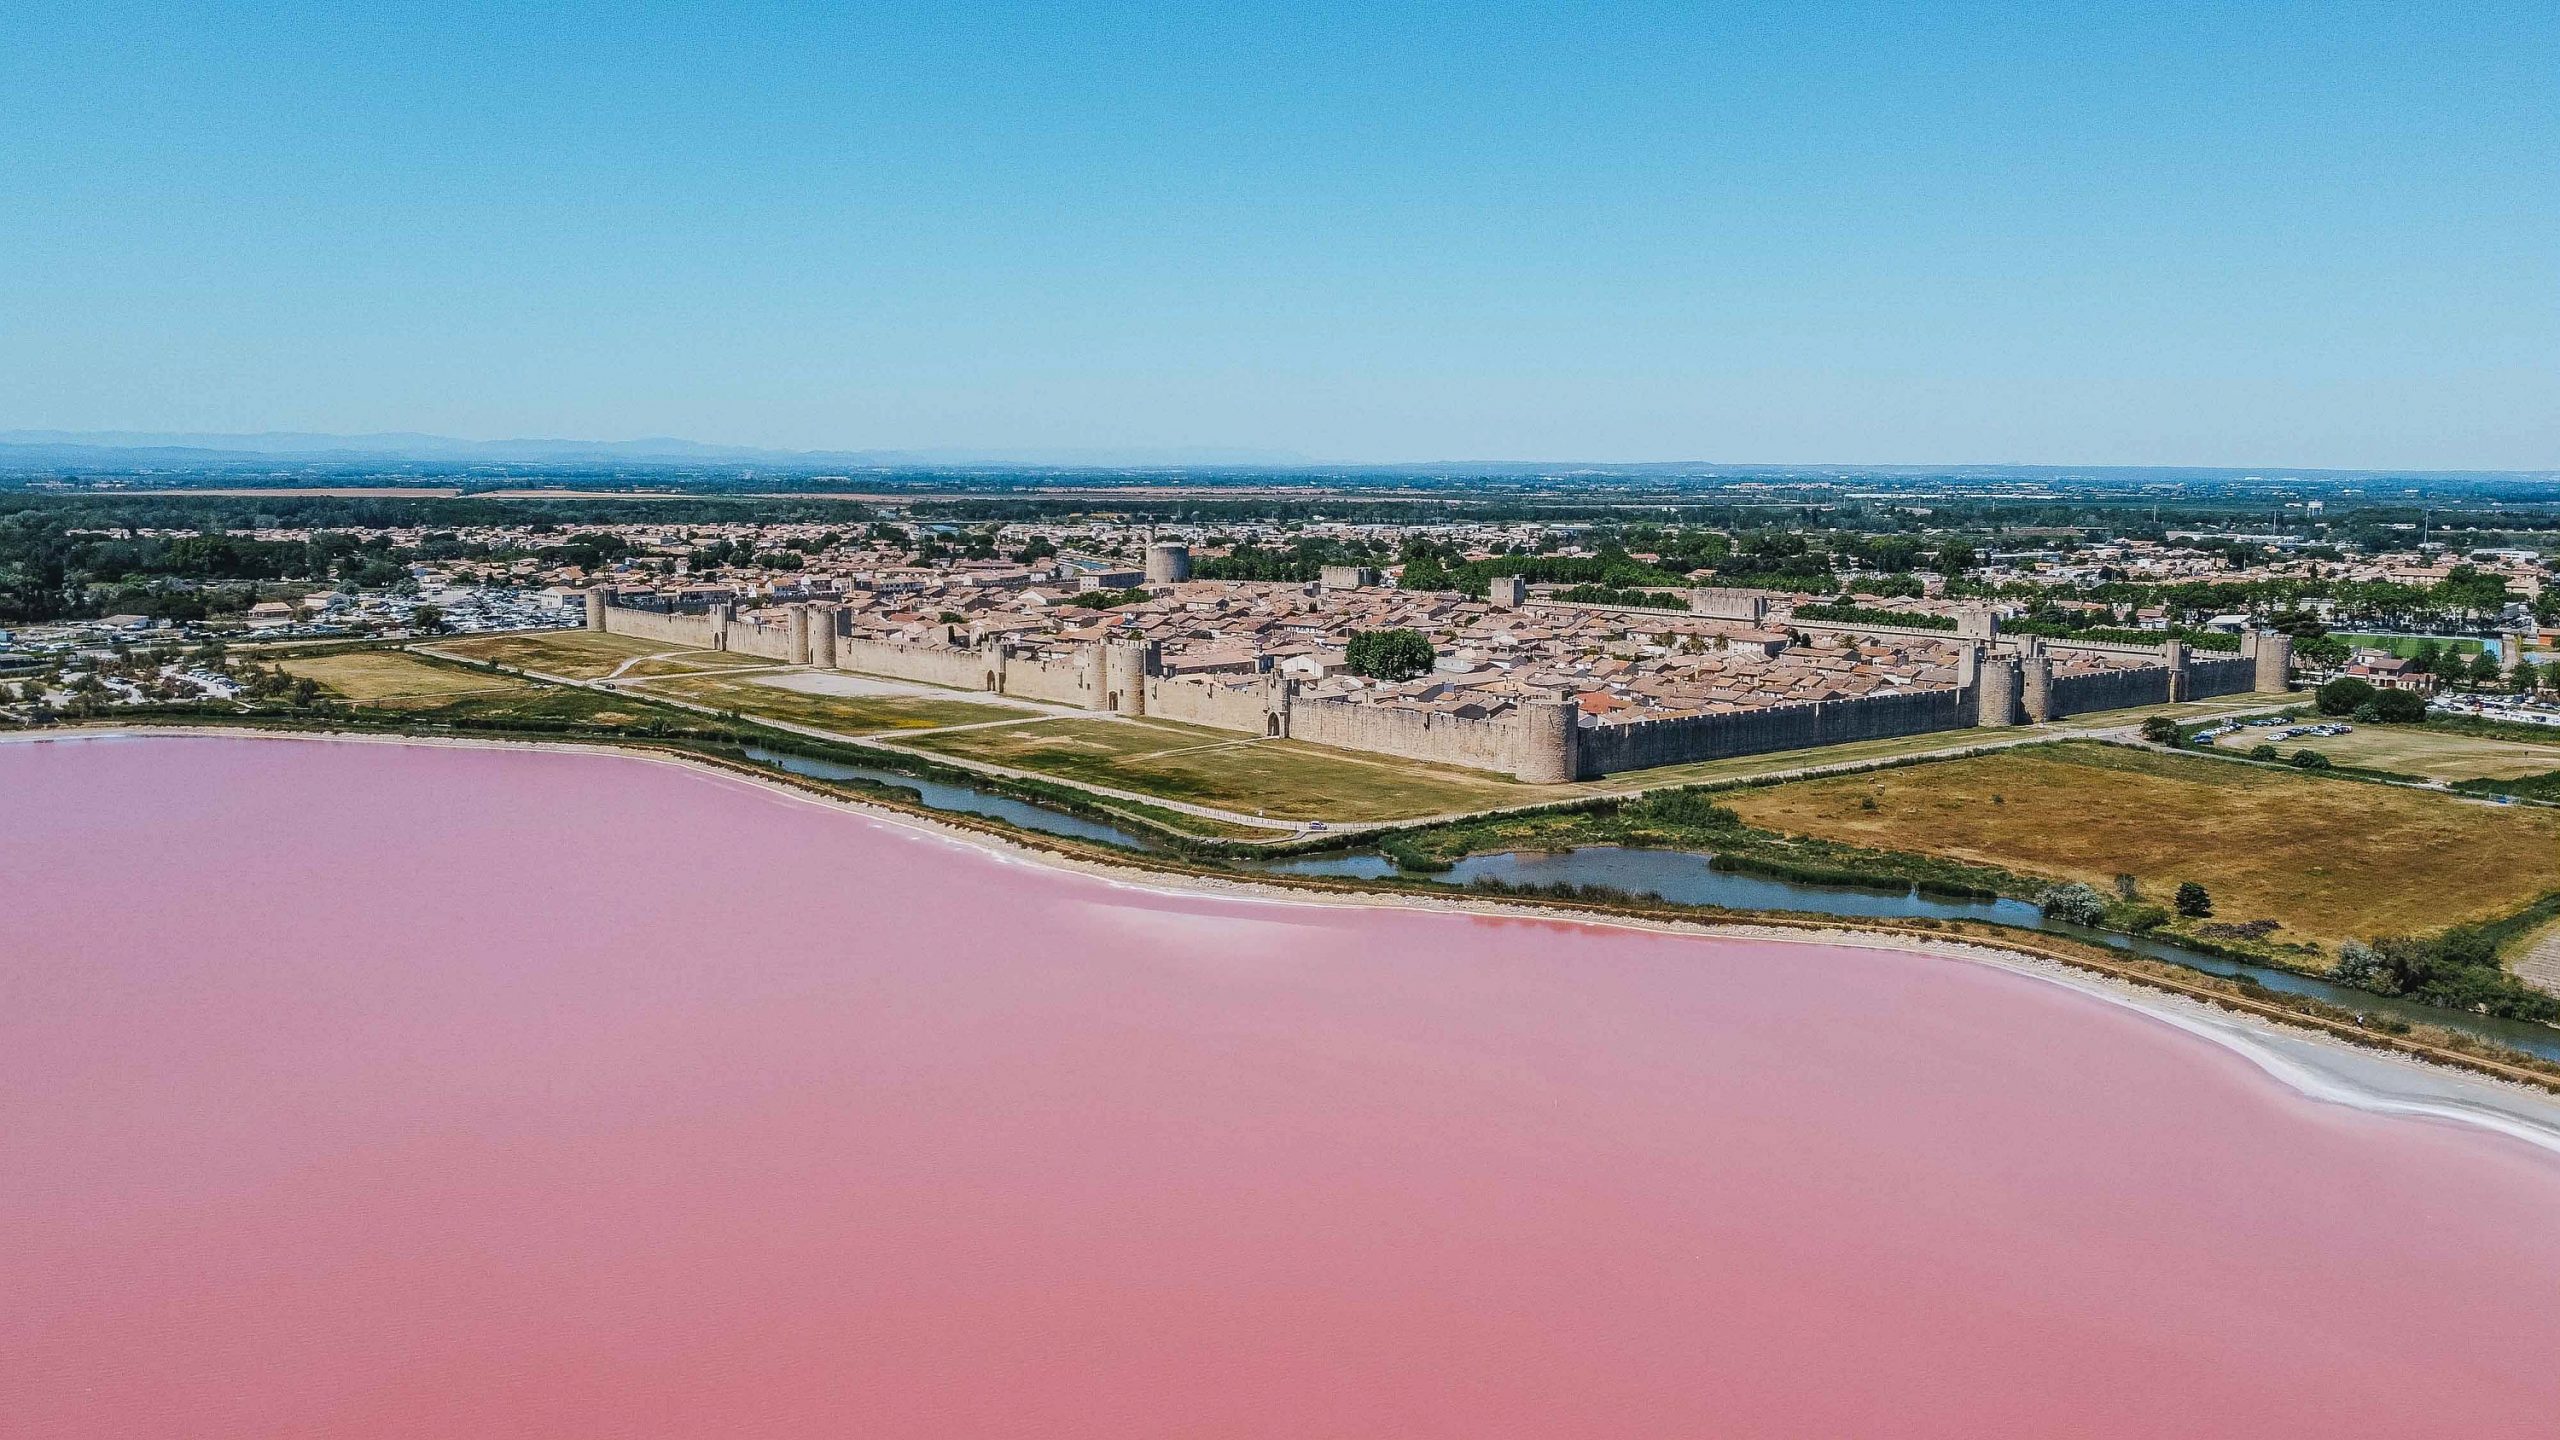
x,y
1284,779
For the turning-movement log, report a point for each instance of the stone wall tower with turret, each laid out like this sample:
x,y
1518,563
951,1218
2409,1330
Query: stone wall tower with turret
x,y
1126,667
1550,743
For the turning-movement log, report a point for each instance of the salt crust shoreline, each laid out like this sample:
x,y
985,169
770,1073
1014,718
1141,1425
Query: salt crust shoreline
x,y
2313,1063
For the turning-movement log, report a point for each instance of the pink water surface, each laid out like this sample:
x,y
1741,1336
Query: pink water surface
x,y
353,1090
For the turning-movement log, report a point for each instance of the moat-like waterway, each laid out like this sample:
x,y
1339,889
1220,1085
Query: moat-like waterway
x,y
1687,878
362,1089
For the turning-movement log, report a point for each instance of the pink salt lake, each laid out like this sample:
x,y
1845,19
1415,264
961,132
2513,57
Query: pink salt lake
x,y
359,1090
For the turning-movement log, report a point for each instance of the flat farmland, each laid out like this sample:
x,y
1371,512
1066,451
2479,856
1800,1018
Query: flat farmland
x,y
386,677
1284,779
2413,750
2328,859
857,714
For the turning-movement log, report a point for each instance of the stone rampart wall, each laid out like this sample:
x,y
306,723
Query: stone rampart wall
x,y
772,642
1414,734
2107,690
924,664
1222,702
1680,739
1837,627
2208,678
696,630
1065,680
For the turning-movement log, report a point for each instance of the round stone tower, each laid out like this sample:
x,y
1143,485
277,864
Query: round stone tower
x,y
795,634
1549,745
598,598
1995,693
822,636
1168,563
2273,652
1126,664
2035,685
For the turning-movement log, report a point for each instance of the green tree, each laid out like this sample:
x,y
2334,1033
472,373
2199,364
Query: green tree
x,y
2344,695
2310,760
2399,707
2160,730
427,620
2193,901
1390,654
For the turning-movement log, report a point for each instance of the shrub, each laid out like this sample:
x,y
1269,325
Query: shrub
x,y
2458,969
1688,809
2310,760
2264,752
2076,903
2135,917
2194,901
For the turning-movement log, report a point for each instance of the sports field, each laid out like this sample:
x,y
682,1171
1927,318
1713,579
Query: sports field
x,y
2328,859
378,677
2411,750
857,714
1284,779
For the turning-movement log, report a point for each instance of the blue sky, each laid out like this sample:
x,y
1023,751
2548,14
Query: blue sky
x,y
2266,235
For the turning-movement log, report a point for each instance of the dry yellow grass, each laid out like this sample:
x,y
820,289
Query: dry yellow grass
x,y
569,654
2328,859
373,676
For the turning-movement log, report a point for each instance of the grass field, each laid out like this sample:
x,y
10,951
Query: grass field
x,y
377,677
1284,779
2406,645
2409,750
844,714
697,662
579,654
2328,859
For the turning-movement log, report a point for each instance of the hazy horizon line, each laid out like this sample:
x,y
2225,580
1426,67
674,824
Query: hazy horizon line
x,y
428,447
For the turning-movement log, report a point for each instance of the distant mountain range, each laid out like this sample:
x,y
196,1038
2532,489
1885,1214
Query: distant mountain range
x,y
89,449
